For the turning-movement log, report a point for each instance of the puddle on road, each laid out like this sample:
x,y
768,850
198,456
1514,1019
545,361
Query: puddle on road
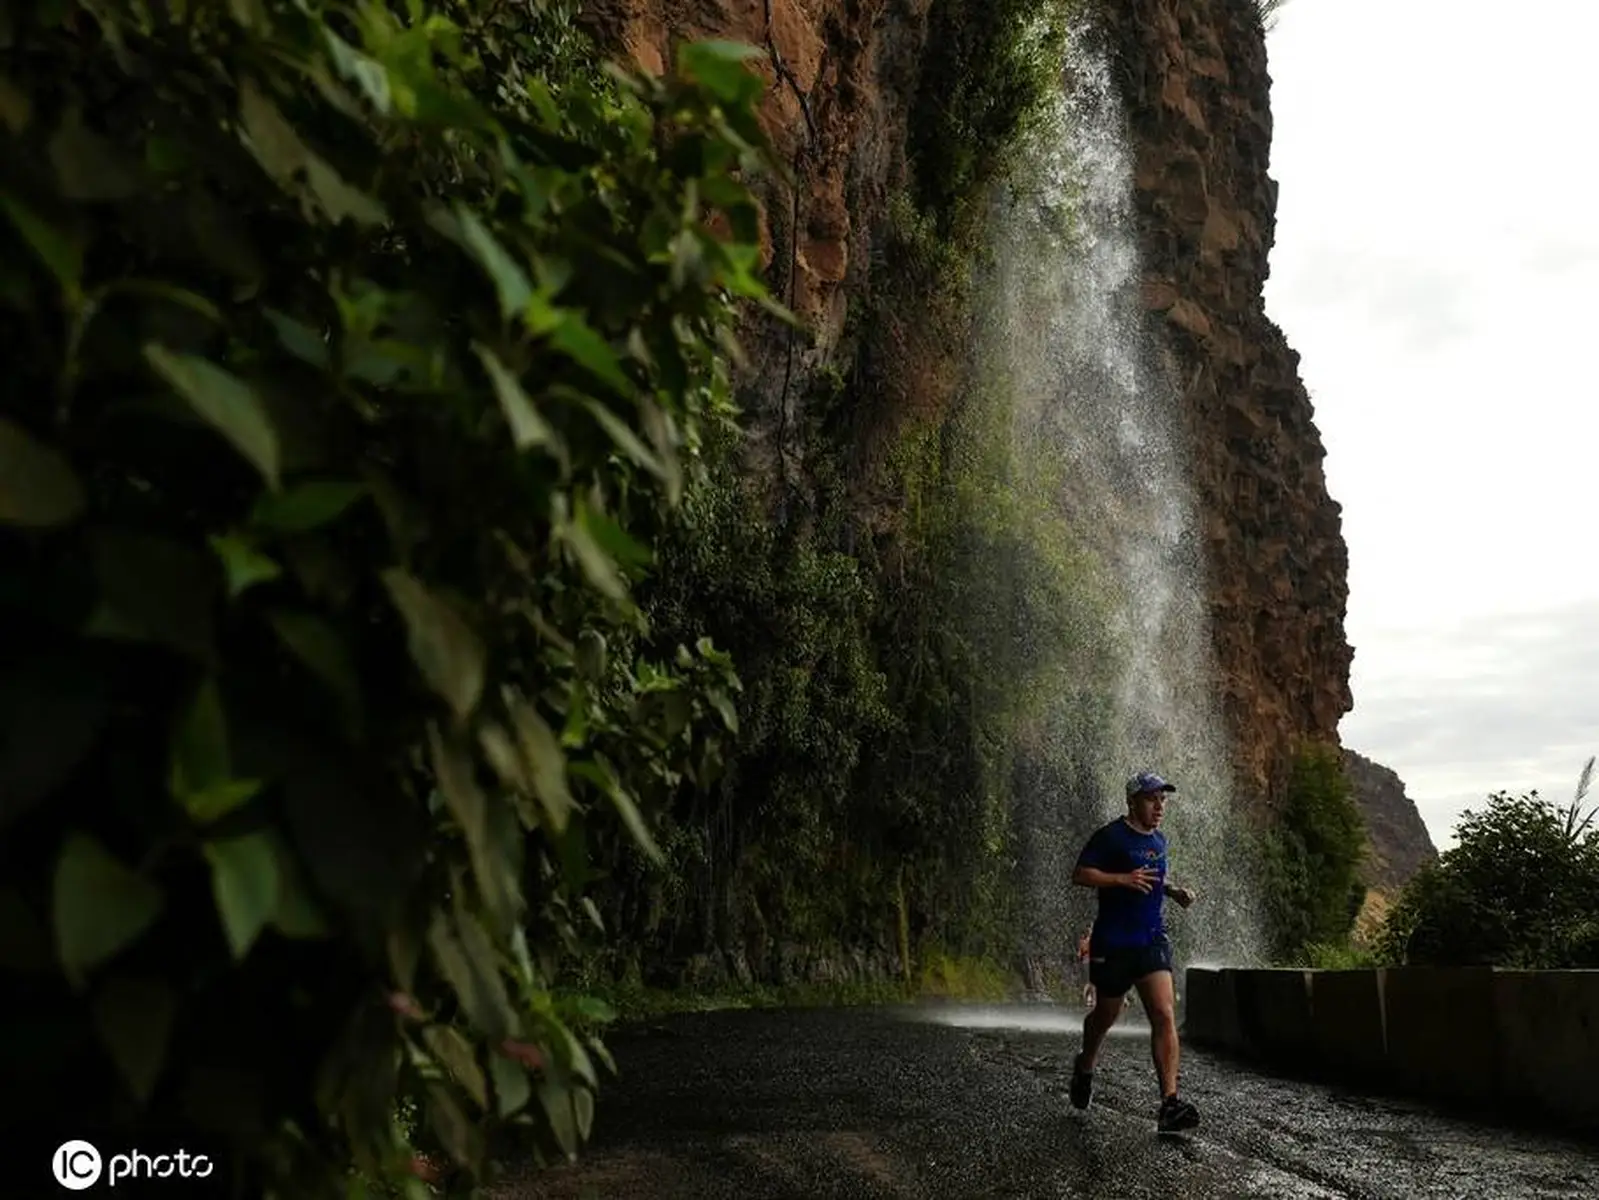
x,y
1033,1018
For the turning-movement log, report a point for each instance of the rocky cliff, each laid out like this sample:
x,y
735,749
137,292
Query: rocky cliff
x,y
844,76
1194,76
1397,840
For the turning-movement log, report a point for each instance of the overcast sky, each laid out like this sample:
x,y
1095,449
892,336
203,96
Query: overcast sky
x,y
1437,268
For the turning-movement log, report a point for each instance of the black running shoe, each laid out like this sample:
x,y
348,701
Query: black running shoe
x,y
1176,1115
1082,1090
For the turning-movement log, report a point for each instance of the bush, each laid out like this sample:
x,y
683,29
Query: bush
x,y
1519,889
355,356
990,65
1311,859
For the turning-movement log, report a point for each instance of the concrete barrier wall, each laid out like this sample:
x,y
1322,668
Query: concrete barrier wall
x,y
1548,1029
1518,1042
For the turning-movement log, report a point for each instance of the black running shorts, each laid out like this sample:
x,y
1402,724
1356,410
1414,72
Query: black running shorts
x,y
1114,969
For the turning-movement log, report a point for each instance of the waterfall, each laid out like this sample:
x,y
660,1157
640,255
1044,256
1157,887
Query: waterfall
x,y
1090,425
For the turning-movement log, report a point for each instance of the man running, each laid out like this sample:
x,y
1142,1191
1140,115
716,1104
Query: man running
x,y
1126,861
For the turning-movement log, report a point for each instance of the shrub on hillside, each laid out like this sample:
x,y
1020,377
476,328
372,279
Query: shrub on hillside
x,y
354,356
1312,859
1519,889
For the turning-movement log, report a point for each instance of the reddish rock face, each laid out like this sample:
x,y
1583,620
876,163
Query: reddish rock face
x,y
1194,80
840,76
843,75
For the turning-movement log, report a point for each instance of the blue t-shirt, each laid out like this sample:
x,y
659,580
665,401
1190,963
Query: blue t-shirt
x,y
1127,917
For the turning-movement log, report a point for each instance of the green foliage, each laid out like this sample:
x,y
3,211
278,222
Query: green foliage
x,y
1311,859
357,354
989,66
965,978
1519,889
795,616
1340,956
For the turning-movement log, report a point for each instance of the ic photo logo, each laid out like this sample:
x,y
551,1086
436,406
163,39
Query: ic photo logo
x,y
78,1165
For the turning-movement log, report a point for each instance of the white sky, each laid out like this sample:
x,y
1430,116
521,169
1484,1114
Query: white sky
x,y
1437,268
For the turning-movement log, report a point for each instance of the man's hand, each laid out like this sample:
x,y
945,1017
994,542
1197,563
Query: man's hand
x,y
1142,880
1182,895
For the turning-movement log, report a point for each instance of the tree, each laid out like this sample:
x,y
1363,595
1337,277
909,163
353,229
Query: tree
x,y
1520,889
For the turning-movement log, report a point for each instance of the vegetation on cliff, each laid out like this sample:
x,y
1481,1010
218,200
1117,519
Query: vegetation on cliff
x,y
1311,859
357,356
860,828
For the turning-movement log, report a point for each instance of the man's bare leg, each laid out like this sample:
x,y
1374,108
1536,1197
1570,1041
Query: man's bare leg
x,y
1096,1025
1160,1005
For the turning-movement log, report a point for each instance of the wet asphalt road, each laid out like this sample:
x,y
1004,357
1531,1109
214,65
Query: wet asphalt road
x,y
951,1102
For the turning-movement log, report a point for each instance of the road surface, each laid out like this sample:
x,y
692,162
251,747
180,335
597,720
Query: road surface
x,y
950,1102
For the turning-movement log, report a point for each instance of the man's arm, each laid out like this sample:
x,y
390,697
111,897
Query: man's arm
x,y
1142,879
1181,895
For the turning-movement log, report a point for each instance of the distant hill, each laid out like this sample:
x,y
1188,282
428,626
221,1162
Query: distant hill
x,y
1399,843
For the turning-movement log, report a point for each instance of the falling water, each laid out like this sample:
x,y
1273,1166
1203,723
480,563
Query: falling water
x,y
1094,416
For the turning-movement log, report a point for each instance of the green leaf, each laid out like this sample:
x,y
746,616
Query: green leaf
x,y
577,339
320,647
244,564
596,564
153,589
459,1135
134,1020
442,644
297,914
217,801
572,1054
87,166
452,1051
511,1085
556,1099
165,156
62,253
364,71
300,339
37,486
601,773
583,1107
592,655
100,905
612,538
292,164
453,769
244,880
200,752
225,402
16,109
719,67
626,440
510,280
601,1053
723,705
528,428
502,755
627,809
546,764
466,960
304,506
